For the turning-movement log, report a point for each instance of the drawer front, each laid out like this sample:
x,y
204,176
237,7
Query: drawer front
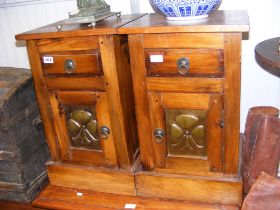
x,y
184,62
72,62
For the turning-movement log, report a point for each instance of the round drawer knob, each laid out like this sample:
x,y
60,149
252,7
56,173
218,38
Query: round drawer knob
x,y
159,135
69,66
104,132
183,65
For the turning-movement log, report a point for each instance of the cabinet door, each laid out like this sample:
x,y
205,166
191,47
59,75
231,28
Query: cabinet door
x,y
187,132
82,124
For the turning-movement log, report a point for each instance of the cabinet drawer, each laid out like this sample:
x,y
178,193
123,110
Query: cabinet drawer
x,y
72,62
184,62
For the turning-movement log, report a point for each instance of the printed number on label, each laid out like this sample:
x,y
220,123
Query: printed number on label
x,y
48,59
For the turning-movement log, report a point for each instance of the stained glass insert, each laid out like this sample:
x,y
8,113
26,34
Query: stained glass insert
x,y
82,127
186,132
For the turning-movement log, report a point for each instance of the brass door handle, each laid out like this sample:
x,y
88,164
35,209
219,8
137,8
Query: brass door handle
x,y
69,66
104,132
183,65
159,134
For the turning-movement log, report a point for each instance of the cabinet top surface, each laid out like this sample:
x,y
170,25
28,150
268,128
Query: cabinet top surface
x,y
105,27
218,21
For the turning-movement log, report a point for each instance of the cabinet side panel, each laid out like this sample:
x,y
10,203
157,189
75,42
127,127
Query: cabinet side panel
x,y
127,96
138,70
42,98
232,101
120,97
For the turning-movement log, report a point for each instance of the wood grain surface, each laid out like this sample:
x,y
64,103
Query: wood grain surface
x,y
107,26
61,198
218,21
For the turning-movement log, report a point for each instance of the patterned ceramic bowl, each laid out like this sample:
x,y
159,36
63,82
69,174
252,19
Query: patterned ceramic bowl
x,y
185,9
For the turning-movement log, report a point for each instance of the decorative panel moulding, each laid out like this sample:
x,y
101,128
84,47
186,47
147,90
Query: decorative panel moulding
x,y
15,3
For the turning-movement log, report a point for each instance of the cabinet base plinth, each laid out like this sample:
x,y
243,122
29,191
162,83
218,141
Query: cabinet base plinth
x,y
223,190
55,197
99,179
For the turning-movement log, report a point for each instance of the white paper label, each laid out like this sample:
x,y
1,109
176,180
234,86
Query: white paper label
x,y
80,194
156,58
48,59
130,206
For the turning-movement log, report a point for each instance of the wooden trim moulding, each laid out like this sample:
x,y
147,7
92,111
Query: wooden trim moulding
x,y
222,190
55,197
108,180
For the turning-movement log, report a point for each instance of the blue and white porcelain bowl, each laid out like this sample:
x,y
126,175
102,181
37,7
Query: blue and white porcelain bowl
x,y
185,9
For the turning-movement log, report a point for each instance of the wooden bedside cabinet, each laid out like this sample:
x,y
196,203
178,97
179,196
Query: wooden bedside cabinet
x,y
185,87
186,80
83,84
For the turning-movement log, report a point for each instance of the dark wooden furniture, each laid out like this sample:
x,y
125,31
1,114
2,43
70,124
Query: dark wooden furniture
x,y
83,83
9,205
268,55
186,80
23,149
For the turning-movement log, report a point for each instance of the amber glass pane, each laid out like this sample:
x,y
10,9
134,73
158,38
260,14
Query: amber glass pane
x,y
186,132
82,127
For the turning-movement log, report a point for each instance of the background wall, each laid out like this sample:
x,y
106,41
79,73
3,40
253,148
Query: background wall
x,y
17,16
258,86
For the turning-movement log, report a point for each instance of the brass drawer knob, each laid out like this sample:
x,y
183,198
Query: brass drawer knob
x,y
104,132
69,66
183,65
159,135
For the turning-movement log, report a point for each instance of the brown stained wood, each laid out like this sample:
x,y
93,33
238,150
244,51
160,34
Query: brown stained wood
x,y
203,62
41,92
67,44
185,100
210,103
120,104
137,58
107,155
70,97
55,197
8,205
103,119
108,180
232,102
181,187
187,85
127,96
58,120
86,157
218,21
183,40
85,63
157,117
75,83
268,55
215,133
197,167
107,26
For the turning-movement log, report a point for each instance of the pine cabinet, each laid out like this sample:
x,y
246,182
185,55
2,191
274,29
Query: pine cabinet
x,y
186,80
84,89
142,107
